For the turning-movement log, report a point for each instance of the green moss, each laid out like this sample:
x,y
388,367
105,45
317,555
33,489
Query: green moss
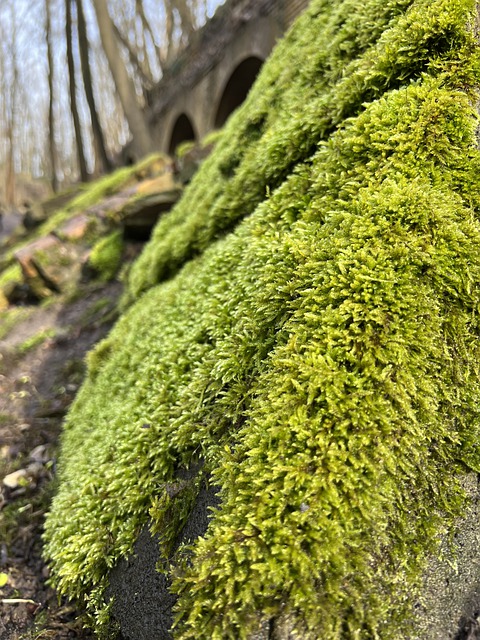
x,y
309,329
354,57
94,192
170,512
106,255
10,275
210,138
88,196
184,148
36,340
6,418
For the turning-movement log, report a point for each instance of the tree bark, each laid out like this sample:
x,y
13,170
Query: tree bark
x,y
73,94
142,143
52,148
147,29
187,24
8,103
169,23
146,79
98,137
10,170
186,19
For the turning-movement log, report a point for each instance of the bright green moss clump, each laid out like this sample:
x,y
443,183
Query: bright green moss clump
x,y
106,255
320,360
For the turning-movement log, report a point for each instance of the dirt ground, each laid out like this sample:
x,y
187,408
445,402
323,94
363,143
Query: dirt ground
x,y
41,368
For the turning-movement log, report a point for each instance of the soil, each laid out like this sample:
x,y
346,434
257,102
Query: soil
x,y
41,368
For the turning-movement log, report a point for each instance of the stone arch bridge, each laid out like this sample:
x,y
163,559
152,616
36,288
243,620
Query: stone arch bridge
x,y
214,74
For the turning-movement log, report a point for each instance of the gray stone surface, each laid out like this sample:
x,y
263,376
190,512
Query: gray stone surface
x,y
451,595
142,602
449,608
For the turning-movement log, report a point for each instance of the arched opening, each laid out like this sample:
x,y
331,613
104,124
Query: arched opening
x,y
182,131
237,88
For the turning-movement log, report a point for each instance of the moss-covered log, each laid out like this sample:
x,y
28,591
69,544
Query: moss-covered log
x,y
304,336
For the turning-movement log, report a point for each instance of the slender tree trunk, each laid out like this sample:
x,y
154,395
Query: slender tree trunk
x,y
169,23
10,172
73,94
51,124
186,18
147,29
145,78
98,136
142,142
187,24
10,181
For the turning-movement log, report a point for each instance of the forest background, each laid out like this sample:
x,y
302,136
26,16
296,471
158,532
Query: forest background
x,y
74,82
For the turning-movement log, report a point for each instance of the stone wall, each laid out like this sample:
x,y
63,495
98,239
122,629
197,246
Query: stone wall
x,y
192,87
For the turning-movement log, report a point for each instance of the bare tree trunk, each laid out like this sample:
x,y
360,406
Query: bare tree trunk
x,y
52,148
147,29
10,186
186,19
170,52
10,172
98,137
187,24
146,79
73,94
142,143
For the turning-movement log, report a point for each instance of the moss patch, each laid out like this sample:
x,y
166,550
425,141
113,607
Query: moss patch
x,y
88,196
101,188
106,255
10,276
9,318
34,341
308,327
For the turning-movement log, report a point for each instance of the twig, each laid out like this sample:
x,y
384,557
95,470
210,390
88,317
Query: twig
x,y
18,601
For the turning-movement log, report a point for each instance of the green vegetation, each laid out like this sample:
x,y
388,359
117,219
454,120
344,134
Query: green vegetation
x,y
211,137
106,255
9,318
10,276
5,418
89,195
106,252
187,146
95,192
34,341
184,147
305,335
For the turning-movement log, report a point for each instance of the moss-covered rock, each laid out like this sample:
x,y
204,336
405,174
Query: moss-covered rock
x,y
51,256
50,265
305,336
105,257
